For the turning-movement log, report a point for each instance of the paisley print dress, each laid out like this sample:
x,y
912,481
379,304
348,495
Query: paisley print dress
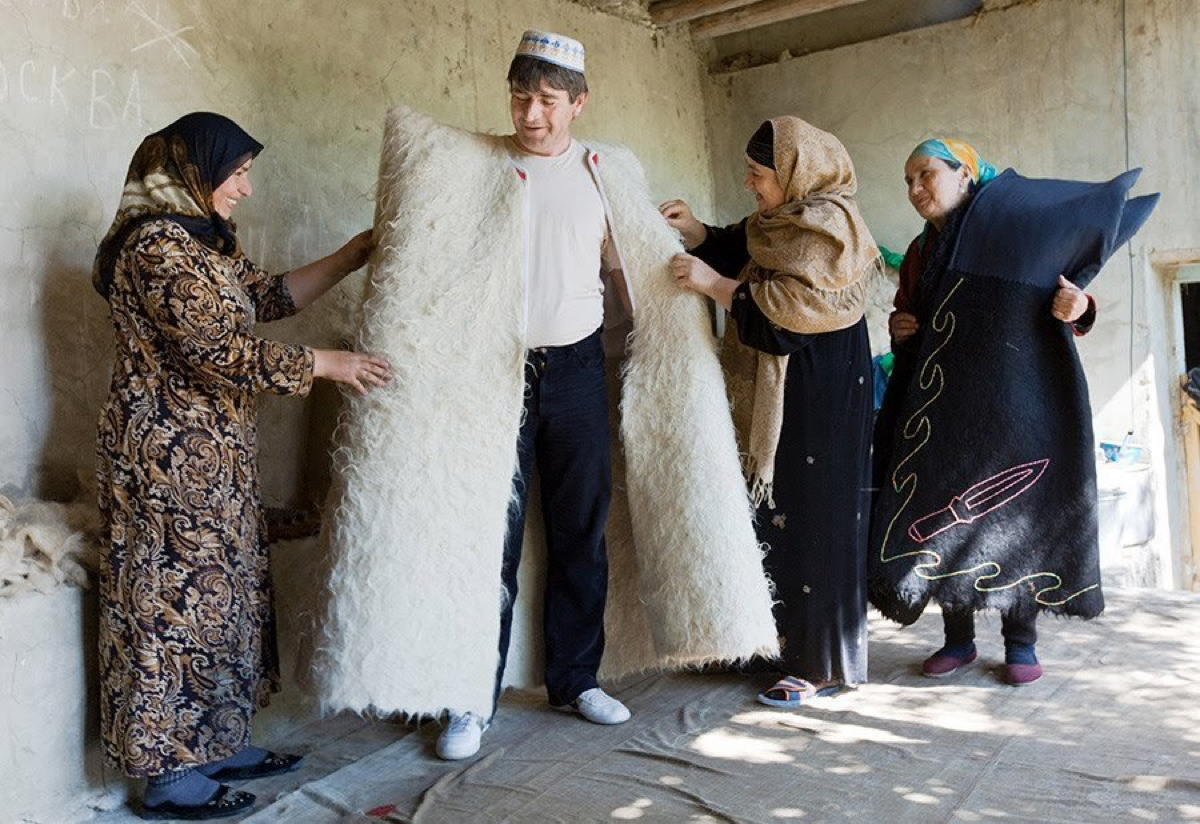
x,y
187,642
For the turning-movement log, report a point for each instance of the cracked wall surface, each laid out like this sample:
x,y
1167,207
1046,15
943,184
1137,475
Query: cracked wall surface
x,y
81,81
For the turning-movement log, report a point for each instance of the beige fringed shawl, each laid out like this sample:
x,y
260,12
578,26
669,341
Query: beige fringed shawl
x,y
809,260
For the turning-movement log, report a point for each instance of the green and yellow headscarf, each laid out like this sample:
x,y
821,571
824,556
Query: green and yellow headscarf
x,y
960,153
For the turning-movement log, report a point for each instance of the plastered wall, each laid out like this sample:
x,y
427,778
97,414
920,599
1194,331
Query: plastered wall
x,y
81,82
1053,88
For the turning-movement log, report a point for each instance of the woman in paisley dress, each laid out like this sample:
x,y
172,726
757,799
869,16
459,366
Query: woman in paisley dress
x,y
187,641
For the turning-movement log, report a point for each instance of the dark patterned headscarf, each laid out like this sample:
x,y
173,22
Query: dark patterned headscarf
x,y
172,175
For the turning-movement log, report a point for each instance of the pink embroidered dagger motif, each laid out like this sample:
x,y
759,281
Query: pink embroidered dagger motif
x,y
986,496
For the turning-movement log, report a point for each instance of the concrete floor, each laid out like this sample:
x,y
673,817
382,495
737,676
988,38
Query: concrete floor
x,y
1111,733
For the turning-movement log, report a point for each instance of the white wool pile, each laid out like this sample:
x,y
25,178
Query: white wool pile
x,y
424,468
44,545
700,583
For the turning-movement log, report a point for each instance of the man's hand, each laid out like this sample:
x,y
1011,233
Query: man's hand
x,y
902,326
1070,302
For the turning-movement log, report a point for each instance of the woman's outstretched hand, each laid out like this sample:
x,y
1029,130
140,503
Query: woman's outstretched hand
x,y
680,218
690,272
360,371
308,283
357,251
1070,302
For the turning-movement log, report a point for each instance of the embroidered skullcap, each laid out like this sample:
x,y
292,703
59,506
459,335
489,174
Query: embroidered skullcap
x,y
552,48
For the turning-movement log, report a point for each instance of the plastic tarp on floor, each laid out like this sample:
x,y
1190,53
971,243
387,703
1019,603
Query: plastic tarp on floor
x,y
1111,733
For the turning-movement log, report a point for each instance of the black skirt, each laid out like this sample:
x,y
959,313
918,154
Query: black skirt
x,y
815,535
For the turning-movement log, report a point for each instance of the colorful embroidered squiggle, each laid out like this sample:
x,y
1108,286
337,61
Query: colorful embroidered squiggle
x,y
918,425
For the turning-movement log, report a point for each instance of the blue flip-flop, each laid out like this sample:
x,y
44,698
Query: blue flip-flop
x,y
795,692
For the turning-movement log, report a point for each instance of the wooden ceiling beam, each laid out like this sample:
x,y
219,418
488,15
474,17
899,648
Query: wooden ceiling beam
x,y
762,13
664,12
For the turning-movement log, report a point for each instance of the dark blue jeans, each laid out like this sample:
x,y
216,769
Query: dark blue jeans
x,y
565,433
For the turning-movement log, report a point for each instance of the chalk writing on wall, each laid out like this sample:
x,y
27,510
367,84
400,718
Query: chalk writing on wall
x,y
102,98
77,9
161,33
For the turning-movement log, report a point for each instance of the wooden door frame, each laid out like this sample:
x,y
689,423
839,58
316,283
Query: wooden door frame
x,y
1174,271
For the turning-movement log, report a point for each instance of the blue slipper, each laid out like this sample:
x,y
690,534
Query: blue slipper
x,y
793,692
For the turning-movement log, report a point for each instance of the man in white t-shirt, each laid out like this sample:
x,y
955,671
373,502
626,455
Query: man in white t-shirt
x,y
565,428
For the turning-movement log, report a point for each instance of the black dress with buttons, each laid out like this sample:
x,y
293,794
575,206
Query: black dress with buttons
x,y
816,534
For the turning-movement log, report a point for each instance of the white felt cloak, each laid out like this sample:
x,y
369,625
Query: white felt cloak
x,y
424,468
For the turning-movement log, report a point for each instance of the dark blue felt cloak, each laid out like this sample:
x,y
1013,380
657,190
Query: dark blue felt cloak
x,y
983,451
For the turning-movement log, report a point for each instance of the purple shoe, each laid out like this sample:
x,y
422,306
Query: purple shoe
x,y
943,663
1018,675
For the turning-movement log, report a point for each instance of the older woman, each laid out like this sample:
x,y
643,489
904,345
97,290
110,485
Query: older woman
x,y
187,645
943,177
798,367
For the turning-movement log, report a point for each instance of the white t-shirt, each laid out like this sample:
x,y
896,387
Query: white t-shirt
x,y
568,246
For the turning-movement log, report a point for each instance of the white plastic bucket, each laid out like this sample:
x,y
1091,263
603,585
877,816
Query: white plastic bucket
x,y
1111,524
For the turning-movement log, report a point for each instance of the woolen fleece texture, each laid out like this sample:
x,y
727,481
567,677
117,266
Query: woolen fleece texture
x,y
424,467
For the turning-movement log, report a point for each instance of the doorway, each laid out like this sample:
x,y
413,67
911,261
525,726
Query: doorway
x,y
1185,293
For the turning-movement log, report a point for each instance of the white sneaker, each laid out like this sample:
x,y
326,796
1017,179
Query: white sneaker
x,y
598,707
461,737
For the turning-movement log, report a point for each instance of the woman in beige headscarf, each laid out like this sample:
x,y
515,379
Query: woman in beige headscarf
x,y
798,367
